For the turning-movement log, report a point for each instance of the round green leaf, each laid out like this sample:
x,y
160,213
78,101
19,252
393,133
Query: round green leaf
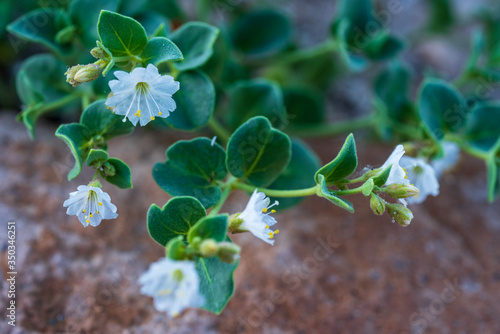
x,y
121,35
175,218
77,137
96,157
483,125
261,33
303,106
122,177
193,169
195,40
258,153
103,122
195,102
209,228
159,50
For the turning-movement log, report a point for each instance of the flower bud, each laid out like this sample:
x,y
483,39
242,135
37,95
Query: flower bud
x,y
95,183
208,248
108,169
70,74
397,190
98,53
400,213
377,204
89,72
228,252
234,223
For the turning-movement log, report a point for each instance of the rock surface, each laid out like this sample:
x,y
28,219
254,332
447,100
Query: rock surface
x,y
329,271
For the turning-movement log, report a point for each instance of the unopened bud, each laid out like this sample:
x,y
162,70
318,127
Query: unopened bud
x,y
95,183
228,252
108,169
98,53
397,190
89,72
400,213
377,204
208,248
234,223
70,74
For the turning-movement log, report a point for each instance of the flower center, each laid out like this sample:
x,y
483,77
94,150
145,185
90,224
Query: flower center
x,y
142,87
418,170
178,275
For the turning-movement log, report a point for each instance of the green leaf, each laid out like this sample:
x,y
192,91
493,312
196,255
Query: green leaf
x,y
159,50
156,25
258,153
256,98
195,102
261,33
121,35
77,137
441,107
381,179
493,167
353,61
358,13
483,125
103,122
299,173
96,156
195,40
85,14
331,196
174,219
441,16
41,26
342,166
175,248
383,46
303,106
193,169
209,228
216,282
122,176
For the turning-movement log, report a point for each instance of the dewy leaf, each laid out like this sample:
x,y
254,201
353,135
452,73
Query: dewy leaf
x,y
483,125
121,35
441,107
41,26
331,196
174,219
193,169
216,282
256,98
258,153
85,14
195,40
122,176
77,137
195,102
261,33
103,122
209,228
159,50
299,173
342,166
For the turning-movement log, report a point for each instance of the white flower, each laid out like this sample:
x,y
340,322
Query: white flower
x,y
422,176
449,160
174,285
256,218
142,94
90,204
397,174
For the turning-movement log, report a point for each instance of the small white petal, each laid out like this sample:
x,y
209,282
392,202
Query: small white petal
x,y
449,160
397,174
422,176
256,217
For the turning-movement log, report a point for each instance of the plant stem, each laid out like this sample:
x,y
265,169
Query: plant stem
x,y
322,130
349,191
277,193
218,129
222,200
467,148
59,103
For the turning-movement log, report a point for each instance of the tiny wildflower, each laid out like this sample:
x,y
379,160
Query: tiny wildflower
x,y
142,94
423,176
397,174
449,160
174,285
256,218
90,204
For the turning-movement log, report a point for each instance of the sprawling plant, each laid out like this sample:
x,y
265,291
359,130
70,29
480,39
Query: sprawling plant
x,y
257,92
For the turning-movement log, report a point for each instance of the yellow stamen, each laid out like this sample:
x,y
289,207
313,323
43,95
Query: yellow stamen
x,y
97,212
91,215
271,235
100,203
273,211
152,118
267,226
277,231
264,210
159,113
87,221
83,211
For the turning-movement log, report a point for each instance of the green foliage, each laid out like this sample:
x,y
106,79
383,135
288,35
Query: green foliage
x,y
209,228
176,218
121,176
342,166
483,125
159,50
256,98
195,102
195,40
441,108
303,106
330,195
193,168
78,138
261,33
442,16
257,152
298,174
103,122
121,35
493,167
381,178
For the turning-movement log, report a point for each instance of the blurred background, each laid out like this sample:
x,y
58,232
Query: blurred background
x,y
329,271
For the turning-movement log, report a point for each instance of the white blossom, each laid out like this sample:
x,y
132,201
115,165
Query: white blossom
x,y
142,94
90,204
397,173
257,219
451,156
174,285
422,176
